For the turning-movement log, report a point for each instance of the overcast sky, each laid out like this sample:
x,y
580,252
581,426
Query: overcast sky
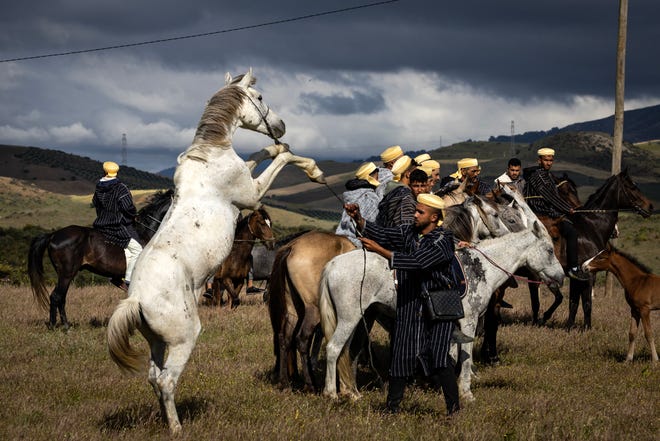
x,y
410,72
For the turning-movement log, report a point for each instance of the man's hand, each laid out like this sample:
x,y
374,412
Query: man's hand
x,y
371,245
353,210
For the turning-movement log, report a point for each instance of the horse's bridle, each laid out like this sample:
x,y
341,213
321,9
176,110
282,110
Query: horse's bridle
x,y
264,118
633,201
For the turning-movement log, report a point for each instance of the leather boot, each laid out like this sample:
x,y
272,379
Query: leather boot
x,y
395,393
444,378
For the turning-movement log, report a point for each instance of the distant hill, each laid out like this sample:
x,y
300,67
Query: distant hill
x,y
639,125
61,172
586,156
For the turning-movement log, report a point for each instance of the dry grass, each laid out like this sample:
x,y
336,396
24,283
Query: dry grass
x,y
551,385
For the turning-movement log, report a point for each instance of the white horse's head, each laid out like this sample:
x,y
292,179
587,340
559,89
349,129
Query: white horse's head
x,y
254,113
541,258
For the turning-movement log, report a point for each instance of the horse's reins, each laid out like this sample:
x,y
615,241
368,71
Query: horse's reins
x,y
265,121
508,273
636,208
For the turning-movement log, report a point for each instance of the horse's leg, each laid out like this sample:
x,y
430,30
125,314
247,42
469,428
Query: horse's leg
x,y
308,327
648,333
573,303
233,292
536,304
315,350
281,157
334,349
287,353
177,357
58,301
491,324
155,369
632,334
585,294
464,358
551,310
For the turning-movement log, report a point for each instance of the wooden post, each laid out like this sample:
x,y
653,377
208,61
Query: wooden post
x,y
618,109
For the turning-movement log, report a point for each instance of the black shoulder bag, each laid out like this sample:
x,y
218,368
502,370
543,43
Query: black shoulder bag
x,y
443,304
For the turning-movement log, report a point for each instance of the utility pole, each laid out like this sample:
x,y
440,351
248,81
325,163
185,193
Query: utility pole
x,y
618,109
124,150
513,149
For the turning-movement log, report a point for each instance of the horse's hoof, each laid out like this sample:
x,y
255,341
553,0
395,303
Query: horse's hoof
x,y
467,397
331,395
316,175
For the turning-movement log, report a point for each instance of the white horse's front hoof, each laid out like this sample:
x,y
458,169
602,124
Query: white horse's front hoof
x,y
316,175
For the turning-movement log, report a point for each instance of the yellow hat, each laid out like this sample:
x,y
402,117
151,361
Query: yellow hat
x,y
421,158
401,165
110,168
391,153
427,170
431,200
545,151
432,164
464,163
365,171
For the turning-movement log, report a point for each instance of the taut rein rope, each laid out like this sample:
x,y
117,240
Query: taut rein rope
x,y
509,273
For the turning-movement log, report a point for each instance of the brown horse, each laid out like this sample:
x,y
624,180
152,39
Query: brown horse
x,y
75,248
641,288
294,301
234,270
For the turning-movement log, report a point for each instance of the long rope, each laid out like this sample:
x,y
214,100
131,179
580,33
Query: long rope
x,y
510,274
364,274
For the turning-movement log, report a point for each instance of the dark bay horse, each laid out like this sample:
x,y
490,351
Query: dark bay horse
x,y
76,248
231,275
595,223
641,288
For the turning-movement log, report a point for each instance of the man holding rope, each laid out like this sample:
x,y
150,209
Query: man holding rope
x,y
421,253
543,198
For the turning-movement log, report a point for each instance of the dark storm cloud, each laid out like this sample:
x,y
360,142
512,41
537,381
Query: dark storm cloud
x,y
410,70
335,104
515,47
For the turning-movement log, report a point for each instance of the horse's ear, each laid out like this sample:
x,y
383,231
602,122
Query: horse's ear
x,y
538,229
248,79
227,79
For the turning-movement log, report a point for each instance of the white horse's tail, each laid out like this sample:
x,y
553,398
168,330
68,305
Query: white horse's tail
x,y
123,322
327,310
345,371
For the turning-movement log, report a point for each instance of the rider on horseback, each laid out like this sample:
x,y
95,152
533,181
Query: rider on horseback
x,y
468,170
542,196
115,213
385,174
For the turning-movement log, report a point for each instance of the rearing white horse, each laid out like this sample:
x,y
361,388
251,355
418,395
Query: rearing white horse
x,y
212,185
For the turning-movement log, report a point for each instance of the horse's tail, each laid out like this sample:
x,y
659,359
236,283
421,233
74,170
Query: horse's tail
x,y
345,372
276,298
327,309
36,269
123,322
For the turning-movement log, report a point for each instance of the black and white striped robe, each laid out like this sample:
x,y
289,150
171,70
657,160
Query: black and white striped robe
x,y
418,262
115,211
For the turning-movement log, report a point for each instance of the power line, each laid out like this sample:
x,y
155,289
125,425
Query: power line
x,y
205,34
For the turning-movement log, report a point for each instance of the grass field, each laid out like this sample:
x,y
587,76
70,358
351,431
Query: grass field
x,y
551,384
